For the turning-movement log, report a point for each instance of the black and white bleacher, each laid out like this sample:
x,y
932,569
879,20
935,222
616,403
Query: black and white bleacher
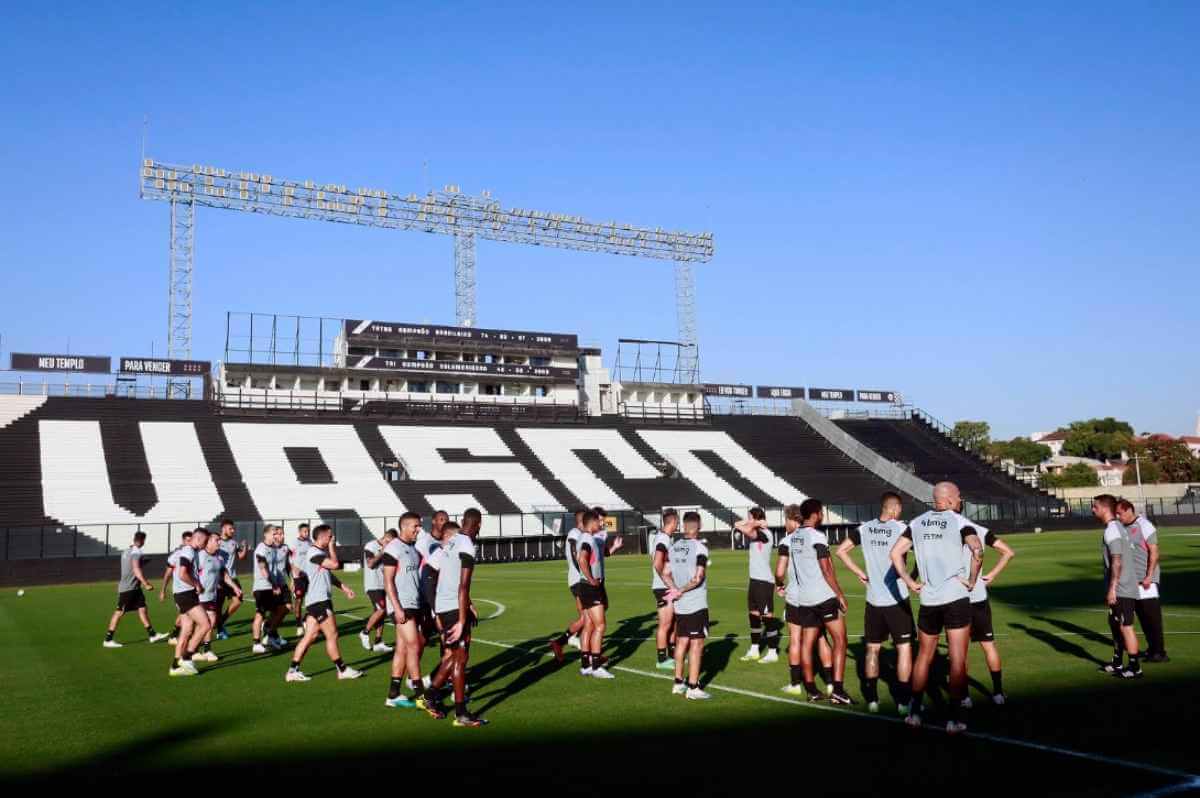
x,y
77,462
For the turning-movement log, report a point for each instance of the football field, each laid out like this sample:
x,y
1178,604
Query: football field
x,y
70,707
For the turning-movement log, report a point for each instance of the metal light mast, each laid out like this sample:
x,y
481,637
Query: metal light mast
x,y
448,212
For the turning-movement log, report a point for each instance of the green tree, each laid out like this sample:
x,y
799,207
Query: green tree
x,y
1098,438
1021,451
1077,475
1163,460
973,435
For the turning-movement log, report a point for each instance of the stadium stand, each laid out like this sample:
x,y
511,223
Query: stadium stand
x,y
73,461
933,456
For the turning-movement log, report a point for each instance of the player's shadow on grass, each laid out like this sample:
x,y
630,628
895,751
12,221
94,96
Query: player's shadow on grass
x,y
526,659
1061,644
717,653
630,634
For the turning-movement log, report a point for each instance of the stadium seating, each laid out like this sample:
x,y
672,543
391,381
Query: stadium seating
x,y
68,462
935,457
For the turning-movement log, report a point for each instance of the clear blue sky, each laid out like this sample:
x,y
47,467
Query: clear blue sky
x,y
994,211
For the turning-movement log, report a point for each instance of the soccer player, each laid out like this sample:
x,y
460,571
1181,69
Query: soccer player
x,y
815,601
453,607
981,610
689,562
590,562
130,597
760,596
571,553
1144,537
661,584
1121,576
429,546
373,585
212,576
888,612
231,552
318,606
401,565
271,565
938,537
605,547
168,578
193,620
299,577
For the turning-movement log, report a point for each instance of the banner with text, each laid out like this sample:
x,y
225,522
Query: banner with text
x,y
831,394
360,331
877,396
461,369
165,367
86,364
726,390
778,392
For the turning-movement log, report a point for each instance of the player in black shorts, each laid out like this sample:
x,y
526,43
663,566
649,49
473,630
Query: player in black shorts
x,y
299,578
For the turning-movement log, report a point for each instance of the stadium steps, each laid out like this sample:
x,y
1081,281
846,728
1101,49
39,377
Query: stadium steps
x,y
725,471
646,495
308,464
802,456
227,477
540,470
128,471
934,458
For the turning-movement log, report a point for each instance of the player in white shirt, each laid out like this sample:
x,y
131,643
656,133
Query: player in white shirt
x,y
661,584
193,621
322,560
981,609
168,577
590,562
689,563
1144,537
299,577
888,612
760,595
937,537
373,586
1121,575
129,593
571,553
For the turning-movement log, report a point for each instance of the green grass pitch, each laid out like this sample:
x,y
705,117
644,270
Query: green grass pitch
x,y
71,708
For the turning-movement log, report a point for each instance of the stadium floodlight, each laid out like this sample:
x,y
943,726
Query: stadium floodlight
x,y
448,212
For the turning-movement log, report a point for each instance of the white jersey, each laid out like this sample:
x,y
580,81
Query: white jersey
x,y
372,577
760,557
806,584
571,552
885,587
938,537
457,553
979,594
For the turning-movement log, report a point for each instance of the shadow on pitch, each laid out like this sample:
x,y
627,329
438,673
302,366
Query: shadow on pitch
x,y
527,660
1061,644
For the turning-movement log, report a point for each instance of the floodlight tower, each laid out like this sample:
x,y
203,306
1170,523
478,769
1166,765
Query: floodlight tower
x,y
448,212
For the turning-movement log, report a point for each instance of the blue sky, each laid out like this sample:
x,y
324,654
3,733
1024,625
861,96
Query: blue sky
x,y
992,210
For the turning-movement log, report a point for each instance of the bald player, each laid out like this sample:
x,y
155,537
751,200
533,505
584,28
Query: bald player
x,y
888,612
1121,599
937,537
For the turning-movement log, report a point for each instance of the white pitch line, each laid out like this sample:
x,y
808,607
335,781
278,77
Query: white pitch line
x,y
1171,789
1189,778
500,608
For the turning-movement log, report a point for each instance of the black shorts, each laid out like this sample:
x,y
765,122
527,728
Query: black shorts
x,y
760,597
692,625
604,594
426,624
660,596
131,600
212,605
1123,611
448,620
225,592
378,599
300,584
981,622
590,596
955,615
895,621
186,600
320,610
265,601
814,617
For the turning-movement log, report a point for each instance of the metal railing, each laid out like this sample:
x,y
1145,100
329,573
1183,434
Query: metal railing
x,y
31,542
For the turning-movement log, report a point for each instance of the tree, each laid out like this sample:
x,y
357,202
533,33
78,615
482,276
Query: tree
x,y
1098,438
1163,459
1077,475
973,435
1021,451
